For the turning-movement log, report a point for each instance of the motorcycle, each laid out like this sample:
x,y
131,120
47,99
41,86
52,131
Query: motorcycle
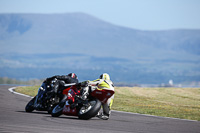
x,y
45,100
74,105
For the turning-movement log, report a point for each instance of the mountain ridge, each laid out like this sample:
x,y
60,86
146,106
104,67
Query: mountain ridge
x,y
89,43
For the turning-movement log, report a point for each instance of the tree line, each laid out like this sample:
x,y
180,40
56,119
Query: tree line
x,y
6,80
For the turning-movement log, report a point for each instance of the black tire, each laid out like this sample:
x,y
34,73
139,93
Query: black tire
x,y
85,113
30,106
57,111
50,108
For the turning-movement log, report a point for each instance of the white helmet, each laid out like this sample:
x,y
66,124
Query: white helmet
x,y
104,76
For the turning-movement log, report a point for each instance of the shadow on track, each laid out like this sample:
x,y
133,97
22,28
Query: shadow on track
x,y
65,117
60,117
33,112
73,118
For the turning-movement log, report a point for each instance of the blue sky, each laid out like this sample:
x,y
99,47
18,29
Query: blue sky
x,y
137,14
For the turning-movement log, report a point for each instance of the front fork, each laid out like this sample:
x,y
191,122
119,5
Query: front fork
x,y
40,94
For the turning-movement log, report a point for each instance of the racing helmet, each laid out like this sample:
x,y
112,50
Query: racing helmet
x,y
104,76
73,75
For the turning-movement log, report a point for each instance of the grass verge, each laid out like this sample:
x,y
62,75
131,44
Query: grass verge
x,y
181,103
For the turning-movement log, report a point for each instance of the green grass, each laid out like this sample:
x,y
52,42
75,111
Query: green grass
x,y
28,90
181,103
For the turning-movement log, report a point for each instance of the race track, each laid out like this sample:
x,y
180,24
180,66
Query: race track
x,y
13,119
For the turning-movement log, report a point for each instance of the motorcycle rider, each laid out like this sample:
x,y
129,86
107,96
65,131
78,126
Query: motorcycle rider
x,y
60,80
53,86
103,82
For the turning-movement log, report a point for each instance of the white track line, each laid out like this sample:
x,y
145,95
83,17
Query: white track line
x,y
12,90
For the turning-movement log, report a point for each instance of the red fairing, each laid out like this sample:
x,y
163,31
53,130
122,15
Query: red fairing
x,y
65,91
68,111
71,96
102,95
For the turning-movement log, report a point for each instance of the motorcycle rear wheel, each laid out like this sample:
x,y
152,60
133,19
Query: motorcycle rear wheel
x,y
87,112
30,106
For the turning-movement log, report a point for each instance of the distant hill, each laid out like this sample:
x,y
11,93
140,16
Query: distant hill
x,y
41,45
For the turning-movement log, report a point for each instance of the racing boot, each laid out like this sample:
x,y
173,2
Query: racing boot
x,y
102,116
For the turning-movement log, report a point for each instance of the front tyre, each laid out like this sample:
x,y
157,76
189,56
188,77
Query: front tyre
x,y
57,111
91,110
30,106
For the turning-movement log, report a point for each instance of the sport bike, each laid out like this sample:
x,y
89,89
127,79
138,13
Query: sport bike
x,y
74,105
45,100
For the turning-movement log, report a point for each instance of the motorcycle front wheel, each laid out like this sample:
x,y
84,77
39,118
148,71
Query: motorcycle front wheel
x,y
30,106
90,110
57,111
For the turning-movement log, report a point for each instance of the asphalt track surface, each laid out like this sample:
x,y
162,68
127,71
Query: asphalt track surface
x,y
14,119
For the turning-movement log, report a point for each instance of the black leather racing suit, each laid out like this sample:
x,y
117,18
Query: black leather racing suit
x,y
60,82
